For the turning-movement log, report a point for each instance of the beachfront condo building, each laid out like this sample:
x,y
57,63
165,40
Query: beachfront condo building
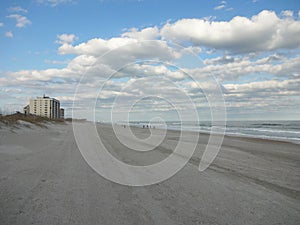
x,y
62,113
45,106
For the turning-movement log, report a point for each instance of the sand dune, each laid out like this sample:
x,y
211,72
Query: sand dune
x,y
45,180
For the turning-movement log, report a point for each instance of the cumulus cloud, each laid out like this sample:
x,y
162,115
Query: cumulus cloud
x,y
149,33
262,32
66,39
22,21
1,24
72,72
120,51
221,60
96,46
287,13
40,75
9,34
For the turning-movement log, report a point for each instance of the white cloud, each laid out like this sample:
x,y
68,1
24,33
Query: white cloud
x,y
17,9
39,75
287,13
66,39
56,62
96,46
222,5
274,86
229,9
54,3
22,21
149,33
287,68
72,72
263,96
262,32
1,24
126,50
9,34
220,60
219,7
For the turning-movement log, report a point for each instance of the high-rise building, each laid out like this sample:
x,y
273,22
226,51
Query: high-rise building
x,y
45,106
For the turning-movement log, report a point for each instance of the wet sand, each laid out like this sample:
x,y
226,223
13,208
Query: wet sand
x,y
45,180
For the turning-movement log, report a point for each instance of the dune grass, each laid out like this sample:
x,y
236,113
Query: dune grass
x,y
15,119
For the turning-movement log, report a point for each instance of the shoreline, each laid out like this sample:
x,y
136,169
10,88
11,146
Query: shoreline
x,y
263,138
25,124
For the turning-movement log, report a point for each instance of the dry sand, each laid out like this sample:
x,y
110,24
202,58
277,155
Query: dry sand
x,y
45,180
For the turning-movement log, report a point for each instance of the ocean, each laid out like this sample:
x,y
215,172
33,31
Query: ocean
x,y
274,130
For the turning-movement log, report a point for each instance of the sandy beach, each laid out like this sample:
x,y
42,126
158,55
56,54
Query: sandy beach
x,y
45,180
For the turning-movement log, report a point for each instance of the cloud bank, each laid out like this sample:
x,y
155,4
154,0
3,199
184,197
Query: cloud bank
x,y
262,32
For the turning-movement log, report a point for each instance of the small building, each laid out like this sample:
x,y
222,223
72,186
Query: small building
x,y
26,110
44,106
62,113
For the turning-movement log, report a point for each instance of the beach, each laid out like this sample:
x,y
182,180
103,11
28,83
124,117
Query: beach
x,y
45,180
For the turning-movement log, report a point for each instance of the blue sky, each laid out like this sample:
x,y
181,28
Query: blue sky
x,y
35,34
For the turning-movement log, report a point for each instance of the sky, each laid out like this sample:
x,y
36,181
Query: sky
x,y
145,59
